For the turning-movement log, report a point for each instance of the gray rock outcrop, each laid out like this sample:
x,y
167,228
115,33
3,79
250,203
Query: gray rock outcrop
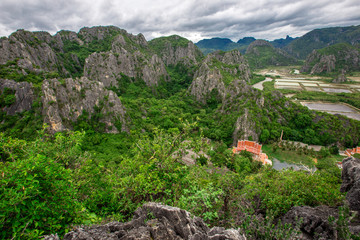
x,y
351,182
125,58
24,96
63,102
314,221
245,128
33,49
157,222
175,49
338,58
326,64
211,76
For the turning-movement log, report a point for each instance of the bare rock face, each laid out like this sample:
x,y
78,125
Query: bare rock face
x,y
315,221
125,58
33,48
205,80
351,182
62,36
341,58
211,75
326,64
175,49
187,55
24,96
245,128
65,101
157,222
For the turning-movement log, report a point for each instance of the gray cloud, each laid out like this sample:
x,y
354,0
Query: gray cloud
x,y
267,19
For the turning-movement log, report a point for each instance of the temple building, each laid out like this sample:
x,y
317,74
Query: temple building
x,y
254,148
350,152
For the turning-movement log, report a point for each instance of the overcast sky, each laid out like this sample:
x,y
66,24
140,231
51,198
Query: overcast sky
x,y
195,20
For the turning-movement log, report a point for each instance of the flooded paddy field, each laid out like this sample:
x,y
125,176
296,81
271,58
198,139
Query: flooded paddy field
x,y
334,108
316,86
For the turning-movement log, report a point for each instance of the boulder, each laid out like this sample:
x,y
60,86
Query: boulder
x,y
314,221
351,182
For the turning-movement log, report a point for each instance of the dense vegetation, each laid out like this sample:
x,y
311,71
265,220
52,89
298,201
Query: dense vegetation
x,y
51,182
223,44
107,176
266,55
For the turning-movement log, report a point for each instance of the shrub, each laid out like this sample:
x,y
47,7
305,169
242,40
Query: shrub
x,y
37,197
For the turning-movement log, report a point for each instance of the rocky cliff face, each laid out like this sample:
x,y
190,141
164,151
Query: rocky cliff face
x,y
175,49
109,67
24,96
245,128
154,221
128,56
33,49
336,58
63,103
224,73
324,63
351,182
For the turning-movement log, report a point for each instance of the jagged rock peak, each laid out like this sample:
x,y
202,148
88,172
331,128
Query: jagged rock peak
x,y
233,57
98,33
323,63
220,74
110,67
175,49
32,47
154,221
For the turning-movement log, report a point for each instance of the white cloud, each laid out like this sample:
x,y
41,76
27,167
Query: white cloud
x,y
192,19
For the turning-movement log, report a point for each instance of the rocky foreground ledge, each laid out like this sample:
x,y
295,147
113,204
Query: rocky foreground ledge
x,y
154,221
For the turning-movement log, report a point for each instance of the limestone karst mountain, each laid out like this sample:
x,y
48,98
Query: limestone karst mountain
x,y
336,59
261,53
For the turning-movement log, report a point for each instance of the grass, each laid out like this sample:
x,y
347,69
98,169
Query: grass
x,y
296,158
288,156
256,78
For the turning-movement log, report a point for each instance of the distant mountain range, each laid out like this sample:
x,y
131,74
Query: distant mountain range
x,y
299,47
225,44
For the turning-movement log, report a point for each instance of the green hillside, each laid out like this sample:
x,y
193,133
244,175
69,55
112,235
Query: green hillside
x,y
334,59
320,38
261,54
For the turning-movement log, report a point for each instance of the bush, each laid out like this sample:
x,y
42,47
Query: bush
x,y
37,197
279,191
